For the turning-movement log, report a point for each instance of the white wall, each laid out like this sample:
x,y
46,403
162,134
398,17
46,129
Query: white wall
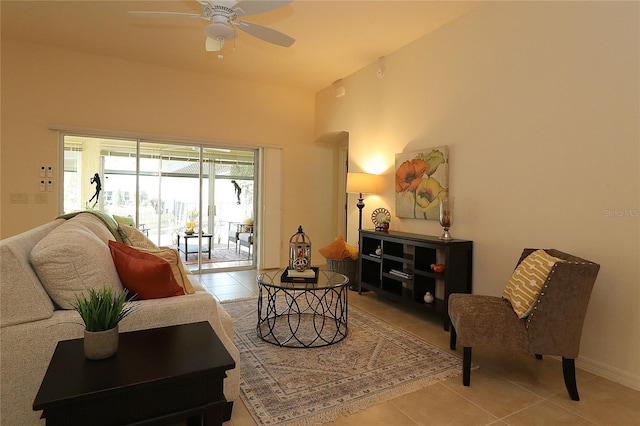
x,y
539,105
44,86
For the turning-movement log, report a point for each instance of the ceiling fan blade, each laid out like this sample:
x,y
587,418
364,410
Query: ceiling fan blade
x,y
254,7
167,14
267,34
213,45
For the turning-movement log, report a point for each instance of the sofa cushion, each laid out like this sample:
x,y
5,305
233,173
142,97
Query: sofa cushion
x,y
72,259
106,219
131,236
124,220
95,225
173,259
143,274
525,285
22,296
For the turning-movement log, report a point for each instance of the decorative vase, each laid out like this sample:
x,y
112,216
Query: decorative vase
x,y
100,344
446,217
428,297
190,228
385,227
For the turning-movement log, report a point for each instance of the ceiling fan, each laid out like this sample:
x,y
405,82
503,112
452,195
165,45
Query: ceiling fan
x,y
224,17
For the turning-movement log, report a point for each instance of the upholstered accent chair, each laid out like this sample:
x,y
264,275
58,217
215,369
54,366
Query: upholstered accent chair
x,y
553,327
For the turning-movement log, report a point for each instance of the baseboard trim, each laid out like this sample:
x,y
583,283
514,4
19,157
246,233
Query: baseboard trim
x,y
614,374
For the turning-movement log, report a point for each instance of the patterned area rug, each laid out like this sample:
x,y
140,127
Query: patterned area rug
x,y
218,255
375,363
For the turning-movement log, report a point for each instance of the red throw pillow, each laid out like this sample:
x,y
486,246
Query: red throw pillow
x,y
144,274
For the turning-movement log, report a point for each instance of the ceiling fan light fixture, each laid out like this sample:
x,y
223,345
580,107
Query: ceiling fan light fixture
x,y
218,29
214,45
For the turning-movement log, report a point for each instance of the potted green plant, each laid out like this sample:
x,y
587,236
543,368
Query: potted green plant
x,y
101,311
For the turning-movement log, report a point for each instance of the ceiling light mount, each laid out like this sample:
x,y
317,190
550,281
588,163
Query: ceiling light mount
x,y
338,88
381,67
212,11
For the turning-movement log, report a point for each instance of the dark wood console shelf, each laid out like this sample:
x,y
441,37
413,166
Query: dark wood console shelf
x,y
413,254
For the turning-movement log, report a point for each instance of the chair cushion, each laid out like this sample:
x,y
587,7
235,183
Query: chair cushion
x,y
143,274
524,286
486,321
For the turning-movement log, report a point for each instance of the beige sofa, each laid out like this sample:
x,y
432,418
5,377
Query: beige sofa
x,y
32,322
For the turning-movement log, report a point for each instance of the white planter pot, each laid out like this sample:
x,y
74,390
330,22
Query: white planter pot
x,y
100,344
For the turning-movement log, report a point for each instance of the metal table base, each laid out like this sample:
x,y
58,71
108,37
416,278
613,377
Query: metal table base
x,y
303,315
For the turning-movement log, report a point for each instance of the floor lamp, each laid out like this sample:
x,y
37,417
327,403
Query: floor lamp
x,y
360,183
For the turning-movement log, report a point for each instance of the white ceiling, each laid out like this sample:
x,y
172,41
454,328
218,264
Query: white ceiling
x,y
334,38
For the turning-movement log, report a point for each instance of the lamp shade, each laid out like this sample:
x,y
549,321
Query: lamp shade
x,y
361,183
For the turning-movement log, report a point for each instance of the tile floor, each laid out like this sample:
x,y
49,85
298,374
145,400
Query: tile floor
x,y
506,389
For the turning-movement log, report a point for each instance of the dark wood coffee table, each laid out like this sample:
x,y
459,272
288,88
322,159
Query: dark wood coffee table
x,y
194,250
158,376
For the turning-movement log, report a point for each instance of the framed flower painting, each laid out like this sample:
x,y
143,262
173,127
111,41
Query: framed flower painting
x,y
422,179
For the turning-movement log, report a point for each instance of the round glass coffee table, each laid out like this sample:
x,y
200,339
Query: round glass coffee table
x,y
302,314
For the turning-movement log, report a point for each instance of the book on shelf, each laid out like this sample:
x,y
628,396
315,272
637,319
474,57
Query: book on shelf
x,y
400,273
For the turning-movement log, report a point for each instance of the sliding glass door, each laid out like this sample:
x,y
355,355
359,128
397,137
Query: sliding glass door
x,y
169,182
231,182
184,196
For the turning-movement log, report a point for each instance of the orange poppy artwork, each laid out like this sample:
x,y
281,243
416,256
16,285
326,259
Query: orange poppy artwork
x,y
422,180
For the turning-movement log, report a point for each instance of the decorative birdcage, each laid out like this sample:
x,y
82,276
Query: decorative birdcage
x,y
299,251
